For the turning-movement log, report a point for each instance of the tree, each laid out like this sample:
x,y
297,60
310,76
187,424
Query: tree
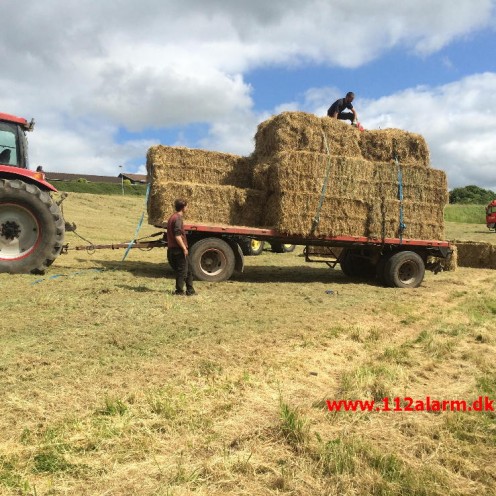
x,y
471,194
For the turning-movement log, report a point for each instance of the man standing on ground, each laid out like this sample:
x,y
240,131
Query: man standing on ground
x,y
177,249
336,110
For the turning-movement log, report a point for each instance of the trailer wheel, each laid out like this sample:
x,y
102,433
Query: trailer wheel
x,y
404,269
282,247
212,259
354,265
31,228
380,273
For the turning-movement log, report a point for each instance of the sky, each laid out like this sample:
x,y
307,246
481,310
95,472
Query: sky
x,y
106,80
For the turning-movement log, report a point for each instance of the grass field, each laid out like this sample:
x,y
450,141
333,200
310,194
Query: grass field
x,y
112,386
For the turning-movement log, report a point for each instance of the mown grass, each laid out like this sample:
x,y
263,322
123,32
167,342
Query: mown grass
x,y
111,385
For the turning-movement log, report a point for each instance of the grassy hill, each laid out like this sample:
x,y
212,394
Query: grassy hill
x,y
467,214
101,188
111,385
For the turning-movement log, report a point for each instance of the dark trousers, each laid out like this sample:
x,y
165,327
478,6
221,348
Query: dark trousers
x,y
346,116
180,265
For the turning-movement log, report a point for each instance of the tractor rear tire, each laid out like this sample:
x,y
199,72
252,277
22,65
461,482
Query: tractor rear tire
x,y
31,228
212,260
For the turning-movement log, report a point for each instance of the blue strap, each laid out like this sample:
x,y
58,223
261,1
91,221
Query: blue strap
x,y
138,227
316,219
402,226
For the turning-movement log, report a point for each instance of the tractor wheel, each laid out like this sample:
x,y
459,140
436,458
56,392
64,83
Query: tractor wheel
x,y
282,248
31,228
404,269
250,246
212,259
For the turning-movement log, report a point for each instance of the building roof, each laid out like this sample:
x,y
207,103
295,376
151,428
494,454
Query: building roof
x,y
62,176
135,178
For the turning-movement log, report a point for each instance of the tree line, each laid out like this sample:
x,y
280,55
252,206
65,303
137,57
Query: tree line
x,y
471,195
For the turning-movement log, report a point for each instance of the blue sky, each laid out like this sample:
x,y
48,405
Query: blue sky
x,y
106,80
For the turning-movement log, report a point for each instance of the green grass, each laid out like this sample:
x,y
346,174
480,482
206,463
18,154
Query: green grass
x,y
100,188
467,214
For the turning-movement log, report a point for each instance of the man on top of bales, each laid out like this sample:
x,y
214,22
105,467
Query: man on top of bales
x,y
177,250
336,110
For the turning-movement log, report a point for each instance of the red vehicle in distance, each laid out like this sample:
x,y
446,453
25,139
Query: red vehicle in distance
x,y
491,216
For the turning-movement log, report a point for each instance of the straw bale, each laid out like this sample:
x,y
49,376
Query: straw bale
x,y
476,255
293,213
304,132
422,220
260,176
451,263
425,185
180,164
349,178
206,203
306,172
380,146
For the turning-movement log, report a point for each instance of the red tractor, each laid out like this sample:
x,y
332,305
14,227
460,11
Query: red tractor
x,y
31,222
491,215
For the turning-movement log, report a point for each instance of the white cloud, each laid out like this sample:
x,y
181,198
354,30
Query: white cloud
x,y
457,120
87,69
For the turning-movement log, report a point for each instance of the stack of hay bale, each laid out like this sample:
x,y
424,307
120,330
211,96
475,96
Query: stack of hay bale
x,y
280,185
216,185
296,151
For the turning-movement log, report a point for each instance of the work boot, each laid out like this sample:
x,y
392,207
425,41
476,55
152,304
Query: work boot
x,y
178,293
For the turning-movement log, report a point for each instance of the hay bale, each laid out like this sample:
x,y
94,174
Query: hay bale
x,y
299,131
381,145
293,212
350,177
306,172
209,204
179,164
422,220
451,263
476,255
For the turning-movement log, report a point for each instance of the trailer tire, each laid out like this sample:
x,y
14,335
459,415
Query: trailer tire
x,y
380,273
212,260
404,269
355,266
31,228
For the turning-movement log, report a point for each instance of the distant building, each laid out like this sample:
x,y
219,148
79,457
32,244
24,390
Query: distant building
x,y
134,178
62,176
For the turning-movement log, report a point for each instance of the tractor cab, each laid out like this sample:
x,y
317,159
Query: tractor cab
x,y
491,215
13,141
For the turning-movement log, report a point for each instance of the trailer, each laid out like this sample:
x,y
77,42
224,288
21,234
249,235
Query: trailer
x,y
215,253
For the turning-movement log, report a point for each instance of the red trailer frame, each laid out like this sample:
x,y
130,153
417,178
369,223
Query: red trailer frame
x,y
215,253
